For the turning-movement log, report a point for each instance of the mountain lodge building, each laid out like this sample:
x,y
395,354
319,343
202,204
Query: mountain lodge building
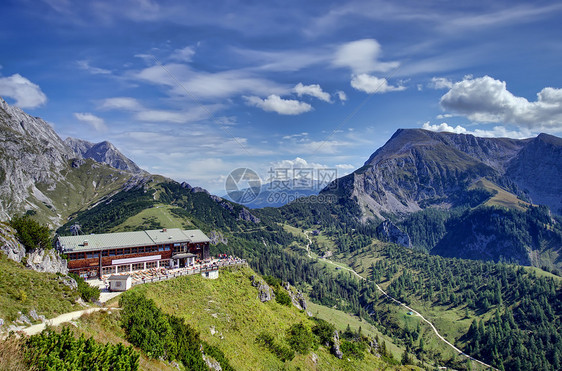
x,y
109,253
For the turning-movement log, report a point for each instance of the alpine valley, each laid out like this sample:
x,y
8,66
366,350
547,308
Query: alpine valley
x,y
438,236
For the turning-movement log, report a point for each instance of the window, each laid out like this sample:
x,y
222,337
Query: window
x,y
117,283
111,252
150,265
161,248
104,253
138,266
167,248
134,250
123,268
126,251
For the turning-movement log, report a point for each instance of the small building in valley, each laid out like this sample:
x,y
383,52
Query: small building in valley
x,y
110,253
120,282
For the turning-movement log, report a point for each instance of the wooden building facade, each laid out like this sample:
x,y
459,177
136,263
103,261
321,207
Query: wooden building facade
x,y
108,253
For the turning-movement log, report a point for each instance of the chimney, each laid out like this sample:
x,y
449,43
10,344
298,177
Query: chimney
x,y
164,229
85,242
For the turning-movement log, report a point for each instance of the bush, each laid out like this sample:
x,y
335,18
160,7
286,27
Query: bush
x,y
52,351
87,292
283,353
300,338
324,331
31,234
282,297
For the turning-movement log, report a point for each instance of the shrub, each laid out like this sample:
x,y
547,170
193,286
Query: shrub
x,y
31,234
300,338
87,292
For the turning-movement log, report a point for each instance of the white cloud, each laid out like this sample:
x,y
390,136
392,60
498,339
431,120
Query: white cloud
x,y
485,99
313,90
361,56
199,84
302,135
496,132
24,92
95,122
373,85
121,103
274,103
341,96
440,83
85,65
184,54
445,127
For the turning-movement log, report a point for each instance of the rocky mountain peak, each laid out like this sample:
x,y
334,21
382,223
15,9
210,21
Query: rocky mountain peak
x,y
104,152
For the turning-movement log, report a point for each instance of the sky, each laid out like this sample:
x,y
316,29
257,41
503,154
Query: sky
x,y
195,89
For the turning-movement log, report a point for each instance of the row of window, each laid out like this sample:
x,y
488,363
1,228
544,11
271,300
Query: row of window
x,y
117,252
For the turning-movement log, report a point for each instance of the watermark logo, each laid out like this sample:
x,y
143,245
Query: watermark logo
x,y
243,185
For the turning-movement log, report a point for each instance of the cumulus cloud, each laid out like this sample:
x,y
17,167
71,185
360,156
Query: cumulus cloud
x,y
486,99
24,92
496,132
440,83
275,103
95,122
362,56
341,96
372,84
85,65
121,103
313,90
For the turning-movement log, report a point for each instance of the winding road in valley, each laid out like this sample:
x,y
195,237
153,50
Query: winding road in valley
x,y
399,303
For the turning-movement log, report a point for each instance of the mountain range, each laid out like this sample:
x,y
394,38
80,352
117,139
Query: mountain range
x,y
418,168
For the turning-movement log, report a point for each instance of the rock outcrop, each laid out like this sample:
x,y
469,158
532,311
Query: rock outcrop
x,y
46,261
388,232
265,293
246,215
9,245
297,298
336,351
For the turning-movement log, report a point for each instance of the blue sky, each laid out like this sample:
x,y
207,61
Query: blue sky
x,y
193,90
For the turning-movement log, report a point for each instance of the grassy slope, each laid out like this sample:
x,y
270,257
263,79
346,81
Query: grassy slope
x,y
230,306
160,214
23,289
502,198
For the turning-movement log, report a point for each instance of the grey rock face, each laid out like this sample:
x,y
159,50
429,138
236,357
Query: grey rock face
x,y
103,152
31,153
245,214
46,261
388,232
9,244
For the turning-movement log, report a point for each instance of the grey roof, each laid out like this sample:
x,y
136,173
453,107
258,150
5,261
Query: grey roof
x,y
170,235
115,277
196,236
95,242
